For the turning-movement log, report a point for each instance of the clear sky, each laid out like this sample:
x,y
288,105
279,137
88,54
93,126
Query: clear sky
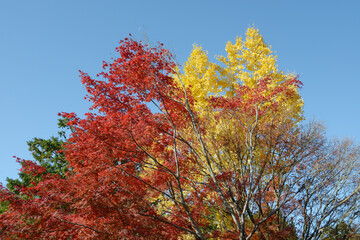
x,y
43,44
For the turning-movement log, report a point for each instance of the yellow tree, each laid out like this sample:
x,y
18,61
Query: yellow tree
x,y
245,132
241,141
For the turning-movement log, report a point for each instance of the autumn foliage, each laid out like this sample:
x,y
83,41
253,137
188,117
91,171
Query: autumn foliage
x,y
211,151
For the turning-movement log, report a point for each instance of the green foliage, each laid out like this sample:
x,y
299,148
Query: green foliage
x,y
4,207
47,153
342,231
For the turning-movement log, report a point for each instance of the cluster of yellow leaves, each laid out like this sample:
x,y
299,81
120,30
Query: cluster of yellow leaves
x,y
247,62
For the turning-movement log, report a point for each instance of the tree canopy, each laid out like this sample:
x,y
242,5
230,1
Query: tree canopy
x,y
204,151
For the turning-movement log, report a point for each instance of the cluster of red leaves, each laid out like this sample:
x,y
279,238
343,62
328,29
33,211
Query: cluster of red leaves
x,y
262,97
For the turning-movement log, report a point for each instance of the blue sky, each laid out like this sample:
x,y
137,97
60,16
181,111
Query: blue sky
x,y
43,44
